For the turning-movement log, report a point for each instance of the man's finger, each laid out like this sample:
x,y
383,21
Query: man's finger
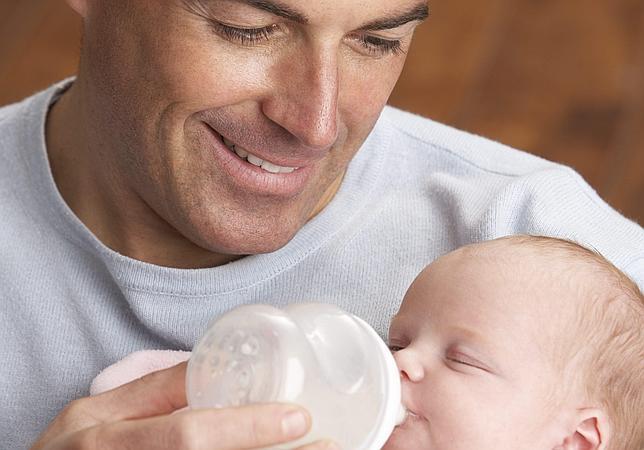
x,y
155,394
248,427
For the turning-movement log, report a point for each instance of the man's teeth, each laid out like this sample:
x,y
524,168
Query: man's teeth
x,y
256,161
241,153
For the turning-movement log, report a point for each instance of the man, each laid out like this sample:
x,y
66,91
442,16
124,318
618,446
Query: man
x,y
220,152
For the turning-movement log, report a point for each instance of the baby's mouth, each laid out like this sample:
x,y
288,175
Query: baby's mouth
x,y
412,418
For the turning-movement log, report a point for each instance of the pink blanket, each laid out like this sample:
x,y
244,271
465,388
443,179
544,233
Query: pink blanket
x,y
135,366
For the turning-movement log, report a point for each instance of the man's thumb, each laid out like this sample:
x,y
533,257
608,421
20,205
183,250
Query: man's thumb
x,y
155,394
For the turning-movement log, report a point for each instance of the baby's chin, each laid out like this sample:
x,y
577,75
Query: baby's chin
x,y
412,434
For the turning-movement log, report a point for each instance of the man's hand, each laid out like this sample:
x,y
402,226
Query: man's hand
x,y
138,416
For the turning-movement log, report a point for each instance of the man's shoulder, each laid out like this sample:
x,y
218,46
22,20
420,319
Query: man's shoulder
x,y
13,119
20,126
426,138
488,168
485,190
22,162
441,158
26,117
26,110
22,138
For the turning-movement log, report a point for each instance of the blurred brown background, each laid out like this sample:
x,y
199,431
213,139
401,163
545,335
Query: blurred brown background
x,y
561,79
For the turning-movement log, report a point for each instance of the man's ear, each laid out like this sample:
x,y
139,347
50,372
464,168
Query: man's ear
x,y
592,431
80,6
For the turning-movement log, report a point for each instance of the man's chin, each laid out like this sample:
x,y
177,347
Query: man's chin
x,y
232,231
256,242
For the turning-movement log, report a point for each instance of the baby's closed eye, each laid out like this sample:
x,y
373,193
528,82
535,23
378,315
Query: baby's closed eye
x,y
461,359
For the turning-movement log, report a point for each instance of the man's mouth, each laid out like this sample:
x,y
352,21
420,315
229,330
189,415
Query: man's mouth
x,y
273,173
245,155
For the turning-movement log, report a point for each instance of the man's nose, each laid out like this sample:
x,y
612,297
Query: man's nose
x,y
305,102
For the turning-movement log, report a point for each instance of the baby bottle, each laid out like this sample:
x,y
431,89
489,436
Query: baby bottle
x,y
314,355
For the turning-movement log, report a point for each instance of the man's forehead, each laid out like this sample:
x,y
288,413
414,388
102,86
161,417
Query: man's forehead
x,y
375,14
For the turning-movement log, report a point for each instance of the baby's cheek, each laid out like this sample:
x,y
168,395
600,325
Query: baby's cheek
x,y
459,405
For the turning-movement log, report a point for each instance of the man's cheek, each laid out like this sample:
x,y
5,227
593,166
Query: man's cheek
x,y
369,92
203,79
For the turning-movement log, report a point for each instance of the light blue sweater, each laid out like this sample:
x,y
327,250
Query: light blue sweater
x,y
69,306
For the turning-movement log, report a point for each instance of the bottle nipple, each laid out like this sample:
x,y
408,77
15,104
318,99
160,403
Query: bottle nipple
x,y
402,414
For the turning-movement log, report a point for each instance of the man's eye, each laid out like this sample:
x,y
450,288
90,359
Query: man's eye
x,y
244,36
376,46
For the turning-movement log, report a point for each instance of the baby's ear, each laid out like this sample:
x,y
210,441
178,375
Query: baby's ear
x,y
592,431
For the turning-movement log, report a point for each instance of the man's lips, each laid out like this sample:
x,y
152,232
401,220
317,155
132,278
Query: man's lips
x,y
306,157
253,179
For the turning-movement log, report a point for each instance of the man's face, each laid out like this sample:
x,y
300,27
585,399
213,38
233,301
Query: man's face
x,y
471,341
191,96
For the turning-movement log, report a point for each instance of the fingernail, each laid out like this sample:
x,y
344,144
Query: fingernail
x,y
331,446
294,424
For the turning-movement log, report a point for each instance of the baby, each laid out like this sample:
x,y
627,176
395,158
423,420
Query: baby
x,y
521,343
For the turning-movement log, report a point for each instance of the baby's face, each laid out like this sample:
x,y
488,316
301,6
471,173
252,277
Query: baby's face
x,y
471,343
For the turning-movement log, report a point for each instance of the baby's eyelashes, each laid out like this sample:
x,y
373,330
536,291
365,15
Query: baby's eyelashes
x,y
462,359
397,342
395,348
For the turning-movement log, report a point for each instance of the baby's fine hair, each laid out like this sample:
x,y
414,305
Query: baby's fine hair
x,y
608,345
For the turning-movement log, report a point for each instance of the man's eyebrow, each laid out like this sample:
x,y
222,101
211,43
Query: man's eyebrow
x,y
278,9
419,12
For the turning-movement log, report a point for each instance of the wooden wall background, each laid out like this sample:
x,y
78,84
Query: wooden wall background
x,y
561,79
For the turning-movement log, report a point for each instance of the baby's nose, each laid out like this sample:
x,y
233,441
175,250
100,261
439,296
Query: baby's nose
x,y
409,365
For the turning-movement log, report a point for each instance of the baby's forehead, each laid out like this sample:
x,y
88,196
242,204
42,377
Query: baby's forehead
x,y
559,274
512,273
519,257
511,296
503,259
481,297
